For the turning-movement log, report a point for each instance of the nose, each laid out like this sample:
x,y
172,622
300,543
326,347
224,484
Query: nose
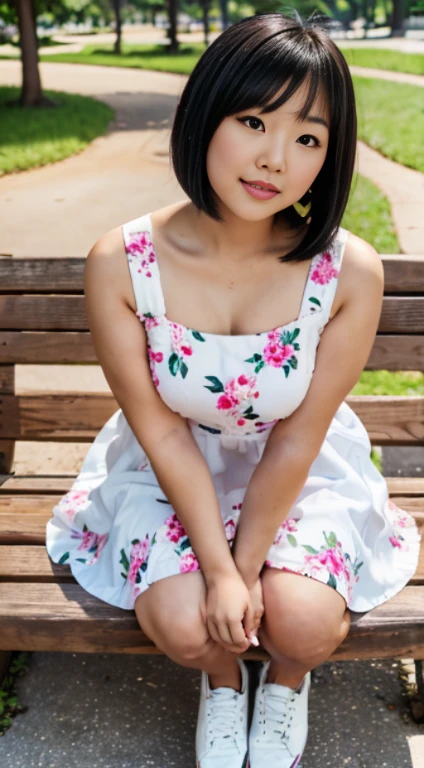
x,y
273,157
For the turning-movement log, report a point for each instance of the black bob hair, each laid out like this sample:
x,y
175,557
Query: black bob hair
x,y
245,67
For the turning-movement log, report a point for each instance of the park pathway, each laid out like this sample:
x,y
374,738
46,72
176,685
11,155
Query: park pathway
x,y
127,171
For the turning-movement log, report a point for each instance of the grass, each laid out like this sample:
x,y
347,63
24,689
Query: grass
x,y
378,58
391,119
368,215
135,56
34,137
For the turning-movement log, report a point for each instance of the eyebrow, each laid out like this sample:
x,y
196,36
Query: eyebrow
x,y
316,119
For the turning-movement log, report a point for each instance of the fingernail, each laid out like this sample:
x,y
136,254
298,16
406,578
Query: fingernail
x,y
254,640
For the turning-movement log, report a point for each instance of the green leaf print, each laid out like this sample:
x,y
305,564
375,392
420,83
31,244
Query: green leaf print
x,y
174,363
251,416
259,366
124,560
293,362
255,359
331,539
332,581
309,549
313,300
64,558
198,336
286,369
216,384
81,560
287,337
183,369
292,540
185,544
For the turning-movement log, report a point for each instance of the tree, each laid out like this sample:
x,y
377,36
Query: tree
x,y
31,93
118,24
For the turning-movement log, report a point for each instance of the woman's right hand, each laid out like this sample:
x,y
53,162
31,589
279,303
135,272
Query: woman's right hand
x,y
227,601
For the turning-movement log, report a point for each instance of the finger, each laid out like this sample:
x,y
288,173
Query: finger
x,y
238,634
249,620
213,631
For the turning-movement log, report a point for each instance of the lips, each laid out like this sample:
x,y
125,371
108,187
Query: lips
x,y
263,184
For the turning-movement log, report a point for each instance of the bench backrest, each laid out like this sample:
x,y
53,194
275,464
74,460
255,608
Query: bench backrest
x,y
43,321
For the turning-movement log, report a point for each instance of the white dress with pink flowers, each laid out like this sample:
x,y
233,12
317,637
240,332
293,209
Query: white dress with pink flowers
x,y
116,529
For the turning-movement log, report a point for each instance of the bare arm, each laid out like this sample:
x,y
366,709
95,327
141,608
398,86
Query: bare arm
x,y
120,344
295,442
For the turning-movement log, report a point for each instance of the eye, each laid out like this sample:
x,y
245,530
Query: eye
x,y
308,137
252,118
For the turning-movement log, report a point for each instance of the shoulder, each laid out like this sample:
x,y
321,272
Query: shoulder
x,y
362,271
106,268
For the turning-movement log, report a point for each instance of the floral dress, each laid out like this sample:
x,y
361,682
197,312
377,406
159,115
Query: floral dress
x,y
118,532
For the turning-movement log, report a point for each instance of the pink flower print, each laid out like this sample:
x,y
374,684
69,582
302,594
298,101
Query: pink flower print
x,y
324,270
72,502
154,357
287,527
233,396
330,559
141,250
181,349
230,529
275,353
175,531
261,426
149,320
91,542
138,556
188,562
279,351
400,520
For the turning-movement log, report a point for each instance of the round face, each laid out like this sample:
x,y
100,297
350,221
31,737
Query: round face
x,y
274,151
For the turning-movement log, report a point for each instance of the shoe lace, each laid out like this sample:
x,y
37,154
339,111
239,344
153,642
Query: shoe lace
x,y
277,714
223,717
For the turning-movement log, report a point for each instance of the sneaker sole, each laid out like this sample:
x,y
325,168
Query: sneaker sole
x,y
246,763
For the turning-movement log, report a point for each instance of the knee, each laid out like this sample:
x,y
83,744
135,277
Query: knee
x,y
180,633
305,629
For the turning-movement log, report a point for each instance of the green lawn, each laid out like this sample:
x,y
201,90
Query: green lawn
x,y
135,56
391,119
377,58
368,215
33,137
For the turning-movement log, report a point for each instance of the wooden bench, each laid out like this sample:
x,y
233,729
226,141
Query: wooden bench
x,y
42,607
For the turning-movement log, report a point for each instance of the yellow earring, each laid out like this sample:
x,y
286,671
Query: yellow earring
x,y
303,210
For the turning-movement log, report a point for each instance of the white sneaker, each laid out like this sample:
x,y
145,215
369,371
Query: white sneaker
x,y
221,736
279,726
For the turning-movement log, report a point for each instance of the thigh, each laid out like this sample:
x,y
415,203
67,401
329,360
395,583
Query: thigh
x,y
173,606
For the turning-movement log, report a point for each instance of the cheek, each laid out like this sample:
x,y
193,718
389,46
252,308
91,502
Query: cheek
x,y
224,153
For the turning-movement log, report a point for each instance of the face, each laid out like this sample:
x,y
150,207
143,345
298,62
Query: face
x,y
275,149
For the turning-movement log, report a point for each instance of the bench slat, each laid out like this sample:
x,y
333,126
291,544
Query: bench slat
x,y
400,314
59,274
58,484
32,563
77,417
23,525
389,352
48,617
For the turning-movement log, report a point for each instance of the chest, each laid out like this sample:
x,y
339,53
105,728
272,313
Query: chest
x,y
232,300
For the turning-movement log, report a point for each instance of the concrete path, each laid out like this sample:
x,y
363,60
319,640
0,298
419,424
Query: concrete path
x,y
111,711
127,171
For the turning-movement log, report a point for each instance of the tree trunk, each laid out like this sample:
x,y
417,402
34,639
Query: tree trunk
x,y
224,13
31,94
118,20
205,9
172,8
397,19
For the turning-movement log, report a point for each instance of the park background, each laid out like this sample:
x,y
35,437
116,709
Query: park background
x,y
87,95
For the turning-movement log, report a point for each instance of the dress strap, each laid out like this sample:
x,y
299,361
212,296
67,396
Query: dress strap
x,y
143,267
323,279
